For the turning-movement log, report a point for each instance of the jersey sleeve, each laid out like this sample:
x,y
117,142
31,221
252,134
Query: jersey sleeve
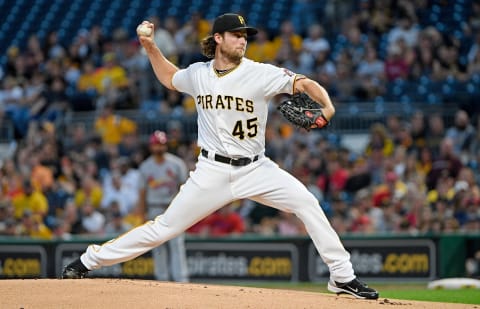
x,y
278,80
185,80
182,81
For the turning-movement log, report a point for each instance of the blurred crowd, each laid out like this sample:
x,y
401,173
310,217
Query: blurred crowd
x,y
414,175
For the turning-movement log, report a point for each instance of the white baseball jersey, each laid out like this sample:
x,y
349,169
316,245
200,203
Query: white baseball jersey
x,y
233,108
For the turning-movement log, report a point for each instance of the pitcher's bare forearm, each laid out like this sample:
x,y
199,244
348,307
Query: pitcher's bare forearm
x,y
163,68
317,93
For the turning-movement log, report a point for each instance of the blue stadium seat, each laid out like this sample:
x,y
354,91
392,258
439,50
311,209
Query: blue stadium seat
x,y
434,98
476,79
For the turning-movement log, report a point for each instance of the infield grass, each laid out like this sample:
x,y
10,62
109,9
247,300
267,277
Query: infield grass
x,y
405,291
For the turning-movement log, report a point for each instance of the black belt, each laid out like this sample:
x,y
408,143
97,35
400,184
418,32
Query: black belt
x,y
231,161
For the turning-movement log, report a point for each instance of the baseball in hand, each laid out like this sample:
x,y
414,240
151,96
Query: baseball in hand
x,y
144,30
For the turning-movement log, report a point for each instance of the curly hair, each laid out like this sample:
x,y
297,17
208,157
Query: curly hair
x,y
208,46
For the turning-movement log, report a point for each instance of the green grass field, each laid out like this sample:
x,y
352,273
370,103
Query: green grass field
x,y
405,291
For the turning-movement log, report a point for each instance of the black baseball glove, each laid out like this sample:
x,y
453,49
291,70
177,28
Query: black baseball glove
x,y
303,112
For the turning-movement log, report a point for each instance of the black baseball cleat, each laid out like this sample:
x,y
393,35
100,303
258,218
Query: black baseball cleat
x,y
354,287
75,270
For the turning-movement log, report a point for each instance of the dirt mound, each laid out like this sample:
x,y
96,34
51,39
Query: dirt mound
x,y
133,294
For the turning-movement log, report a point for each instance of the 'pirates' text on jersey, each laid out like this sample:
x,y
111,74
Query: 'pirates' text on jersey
x,y
224,102
233,108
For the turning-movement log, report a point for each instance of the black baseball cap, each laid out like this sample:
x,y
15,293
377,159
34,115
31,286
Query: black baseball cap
x,y
231,22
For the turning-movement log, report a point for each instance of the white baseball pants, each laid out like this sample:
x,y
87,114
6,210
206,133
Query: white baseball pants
x,y
214,184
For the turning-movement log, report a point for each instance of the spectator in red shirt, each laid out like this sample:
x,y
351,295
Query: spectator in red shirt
x,y
396,66
225,221
336,178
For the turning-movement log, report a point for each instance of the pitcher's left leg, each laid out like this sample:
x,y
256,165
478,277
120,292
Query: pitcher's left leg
x,y
272,186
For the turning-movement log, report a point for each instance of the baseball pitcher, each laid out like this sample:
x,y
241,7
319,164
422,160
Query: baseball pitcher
x,y
232,95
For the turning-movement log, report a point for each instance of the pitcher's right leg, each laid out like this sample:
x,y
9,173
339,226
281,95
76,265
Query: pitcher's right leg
x,y
205,191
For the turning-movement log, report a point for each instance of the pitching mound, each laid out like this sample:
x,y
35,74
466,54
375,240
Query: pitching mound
x,y
130,294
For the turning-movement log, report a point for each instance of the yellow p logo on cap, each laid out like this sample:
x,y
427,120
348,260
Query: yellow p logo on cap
x,y
242,21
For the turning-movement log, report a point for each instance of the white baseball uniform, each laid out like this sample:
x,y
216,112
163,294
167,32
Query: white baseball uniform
x,y
232,115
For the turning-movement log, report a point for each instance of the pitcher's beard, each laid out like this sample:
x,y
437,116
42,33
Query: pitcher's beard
x,y
234,56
